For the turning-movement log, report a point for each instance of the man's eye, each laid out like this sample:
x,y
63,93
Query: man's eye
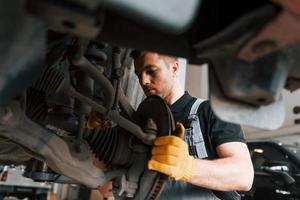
x,y
150,72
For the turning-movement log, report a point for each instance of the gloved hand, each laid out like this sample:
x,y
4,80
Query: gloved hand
x,y
170,156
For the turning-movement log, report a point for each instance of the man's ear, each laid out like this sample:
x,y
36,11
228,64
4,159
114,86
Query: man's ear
x,y
175,68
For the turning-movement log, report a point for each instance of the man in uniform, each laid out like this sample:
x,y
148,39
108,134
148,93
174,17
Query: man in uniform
x,y
212,160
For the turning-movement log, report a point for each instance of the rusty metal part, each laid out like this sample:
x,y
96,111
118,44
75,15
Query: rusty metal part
x,y
96,121
272,38
114,116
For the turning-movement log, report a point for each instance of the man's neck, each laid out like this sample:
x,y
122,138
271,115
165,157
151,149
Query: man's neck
x,y
176,93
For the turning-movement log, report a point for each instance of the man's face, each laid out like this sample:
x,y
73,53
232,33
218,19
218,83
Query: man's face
x,y
156,74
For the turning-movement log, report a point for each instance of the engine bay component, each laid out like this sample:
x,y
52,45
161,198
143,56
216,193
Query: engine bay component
x,y
63,102
126,157
49,147
95,121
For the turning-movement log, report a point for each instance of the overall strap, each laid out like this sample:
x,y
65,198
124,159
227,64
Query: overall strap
x,y
194,136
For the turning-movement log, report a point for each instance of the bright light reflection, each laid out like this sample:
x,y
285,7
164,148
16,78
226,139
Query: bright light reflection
x,y
258,150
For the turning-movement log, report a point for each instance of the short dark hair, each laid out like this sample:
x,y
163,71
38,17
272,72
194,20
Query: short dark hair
x,y
135,54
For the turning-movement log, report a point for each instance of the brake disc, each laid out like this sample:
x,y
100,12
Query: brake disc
x,y
155,108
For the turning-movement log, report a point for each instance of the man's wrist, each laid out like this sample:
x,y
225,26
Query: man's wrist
x,y
190,170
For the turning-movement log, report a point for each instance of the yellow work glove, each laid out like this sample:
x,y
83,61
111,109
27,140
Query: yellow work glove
x,y
170,156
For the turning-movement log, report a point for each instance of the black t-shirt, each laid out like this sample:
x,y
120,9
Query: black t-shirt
x,y
215,132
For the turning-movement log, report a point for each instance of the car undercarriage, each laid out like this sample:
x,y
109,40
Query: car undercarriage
x,y
65,112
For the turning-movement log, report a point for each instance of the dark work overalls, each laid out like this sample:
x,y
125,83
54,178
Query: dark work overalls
x,y
176,190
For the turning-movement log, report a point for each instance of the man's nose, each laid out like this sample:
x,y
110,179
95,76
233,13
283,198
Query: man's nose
x,y
145,80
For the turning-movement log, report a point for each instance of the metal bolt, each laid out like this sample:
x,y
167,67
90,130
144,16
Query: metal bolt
x,y
296,110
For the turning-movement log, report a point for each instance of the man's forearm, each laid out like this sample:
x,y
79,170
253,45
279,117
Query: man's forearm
x,y
224,174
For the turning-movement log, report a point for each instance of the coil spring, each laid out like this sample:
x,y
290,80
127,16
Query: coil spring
x,y
48,83
36,106
50,80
